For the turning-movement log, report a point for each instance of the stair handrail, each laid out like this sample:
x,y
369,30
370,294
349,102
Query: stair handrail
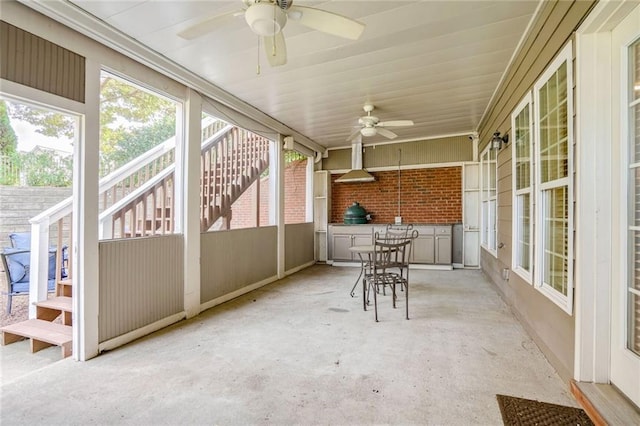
x,y
104,220
107,216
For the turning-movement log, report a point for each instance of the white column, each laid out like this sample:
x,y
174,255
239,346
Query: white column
x,y
308,204
39,261
277,180
188,168
85,221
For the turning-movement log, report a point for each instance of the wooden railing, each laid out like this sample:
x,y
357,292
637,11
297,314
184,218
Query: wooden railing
x,y
231,160
145,211
228,168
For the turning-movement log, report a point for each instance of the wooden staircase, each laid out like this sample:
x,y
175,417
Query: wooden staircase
x,y
42,332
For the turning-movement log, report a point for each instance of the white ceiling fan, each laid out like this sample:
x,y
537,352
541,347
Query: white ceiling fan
x,y
370,125
267,18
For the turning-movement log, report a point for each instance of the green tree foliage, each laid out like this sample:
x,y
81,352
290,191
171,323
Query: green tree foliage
x,y
8,139
132,120
47,123
45,168
136,142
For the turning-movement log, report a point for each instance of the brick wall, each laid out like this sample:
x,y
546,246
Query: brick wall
x,y
295,191
428,196
295,178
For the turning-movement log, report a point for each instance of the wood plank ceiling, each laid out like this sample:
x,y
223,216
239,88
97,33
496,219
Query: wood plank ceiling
x,y
434,62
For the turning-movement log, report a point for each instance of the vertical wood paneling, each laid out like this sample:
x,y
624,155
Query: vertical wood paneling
x,y
35,62
298,245
231,260
430,151
141,282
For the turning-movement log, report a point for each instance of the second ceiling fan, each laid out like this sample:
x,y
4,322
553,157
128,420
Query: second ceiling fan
x,y
267,18
370,125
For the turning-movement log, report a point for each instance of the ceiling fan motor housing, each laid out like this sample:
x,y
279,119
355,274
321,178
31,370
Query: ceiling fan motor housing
x,y
265,19
368,131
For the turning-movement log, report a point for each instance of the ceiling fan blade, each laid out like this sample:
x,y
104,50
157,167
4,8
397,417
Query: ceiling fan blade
x,y
327,22
208,25
395,123
275,49
353,135
386,133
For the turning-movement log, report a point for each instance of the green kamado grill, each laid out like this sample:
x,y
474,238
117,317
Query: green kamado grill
x,y
355,214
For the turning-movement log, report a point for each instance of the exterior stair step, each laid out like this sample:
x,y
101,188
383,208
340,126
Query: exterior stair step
x,y
41,333
51,309
65,288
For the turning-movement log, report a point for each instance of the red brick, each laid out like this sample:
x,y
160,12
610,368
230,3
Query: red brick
x,y
428,196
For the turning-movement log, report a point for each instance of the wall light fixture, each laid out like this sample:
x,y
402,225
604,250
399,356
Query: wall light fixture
x,y
497,141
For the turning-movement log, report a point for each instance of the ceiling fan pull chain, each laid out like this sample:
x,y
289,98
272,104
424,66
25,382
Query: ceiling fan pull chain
x,y
258,65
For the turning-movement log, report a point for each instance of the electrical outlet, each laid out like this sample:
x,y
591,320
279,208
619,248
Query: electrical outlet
x,y
398,220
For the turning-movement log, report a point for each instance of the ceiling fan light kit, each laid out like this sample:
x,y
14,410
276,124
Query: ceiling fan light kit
x,y
368,131
265,19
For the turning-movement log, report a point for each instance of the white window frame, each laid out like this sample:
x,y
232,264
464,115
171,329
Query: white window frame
x,y
563,301
489,202
527,275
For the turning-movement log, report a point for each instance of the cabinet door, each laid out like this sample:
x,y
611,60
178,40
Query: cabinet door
x,y
362,240
443,249
423,250
341,244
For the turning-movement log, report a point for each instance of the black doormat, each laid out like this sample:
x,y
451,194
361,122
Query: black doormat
x,y
526,412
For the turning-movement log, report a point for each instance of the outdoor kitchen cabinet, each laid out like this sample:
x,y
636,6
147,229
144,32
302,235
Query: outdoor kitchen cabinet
x,y
341,238
432,247
423,250
442,245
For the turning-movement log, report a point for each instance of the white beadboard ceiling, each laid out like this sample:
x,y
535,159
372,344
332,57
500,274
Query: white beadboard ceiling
x,y
434,62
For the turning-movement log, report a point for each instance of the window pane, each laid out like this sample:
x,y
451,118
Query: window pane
x,y
634,323
634,62
633,309
492,172
523,149
634,132
133,122
633,298
555,242
492,224
634,196
554,127
524,238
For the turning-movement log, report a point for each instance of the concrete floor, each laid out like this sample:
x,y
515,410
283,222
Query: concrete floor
x,y
300,351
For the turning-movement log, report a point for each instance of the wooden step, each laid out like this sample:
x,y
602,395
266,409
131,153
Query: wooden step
x,y
42,334
51,309
65,287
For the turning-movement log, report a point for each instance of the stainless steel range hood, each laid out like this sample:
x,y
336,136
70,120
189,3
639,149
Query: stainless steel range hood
x,y
357,173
